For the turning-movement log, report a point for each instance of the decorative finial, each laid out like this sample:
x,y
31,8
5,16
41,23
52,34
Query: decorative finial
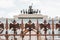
x,y
14,21
29,21
45,21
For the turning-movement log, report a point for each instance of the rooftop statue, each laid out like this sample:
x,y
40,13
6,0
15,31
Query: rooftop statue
x,y
30,11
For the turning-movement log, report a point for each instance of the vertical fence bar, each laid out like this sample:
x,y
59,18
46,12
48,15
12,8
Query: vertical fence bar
x,y
22,28
53,28
45,36
6,29
29,35
37,30
14,34
14,29
45,29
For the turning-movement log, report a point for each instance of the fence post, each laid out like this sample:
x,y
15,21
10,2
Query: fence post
x,y
15,34
6,29
22,28
29,35
38,30
53,28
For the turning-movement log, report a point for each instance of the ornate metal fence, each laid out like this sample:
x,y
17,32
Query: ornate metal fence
x,y
28,27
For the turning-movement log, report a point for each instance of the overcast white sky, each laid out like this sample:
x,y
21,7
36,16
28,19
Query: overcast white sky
x,y
9,8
